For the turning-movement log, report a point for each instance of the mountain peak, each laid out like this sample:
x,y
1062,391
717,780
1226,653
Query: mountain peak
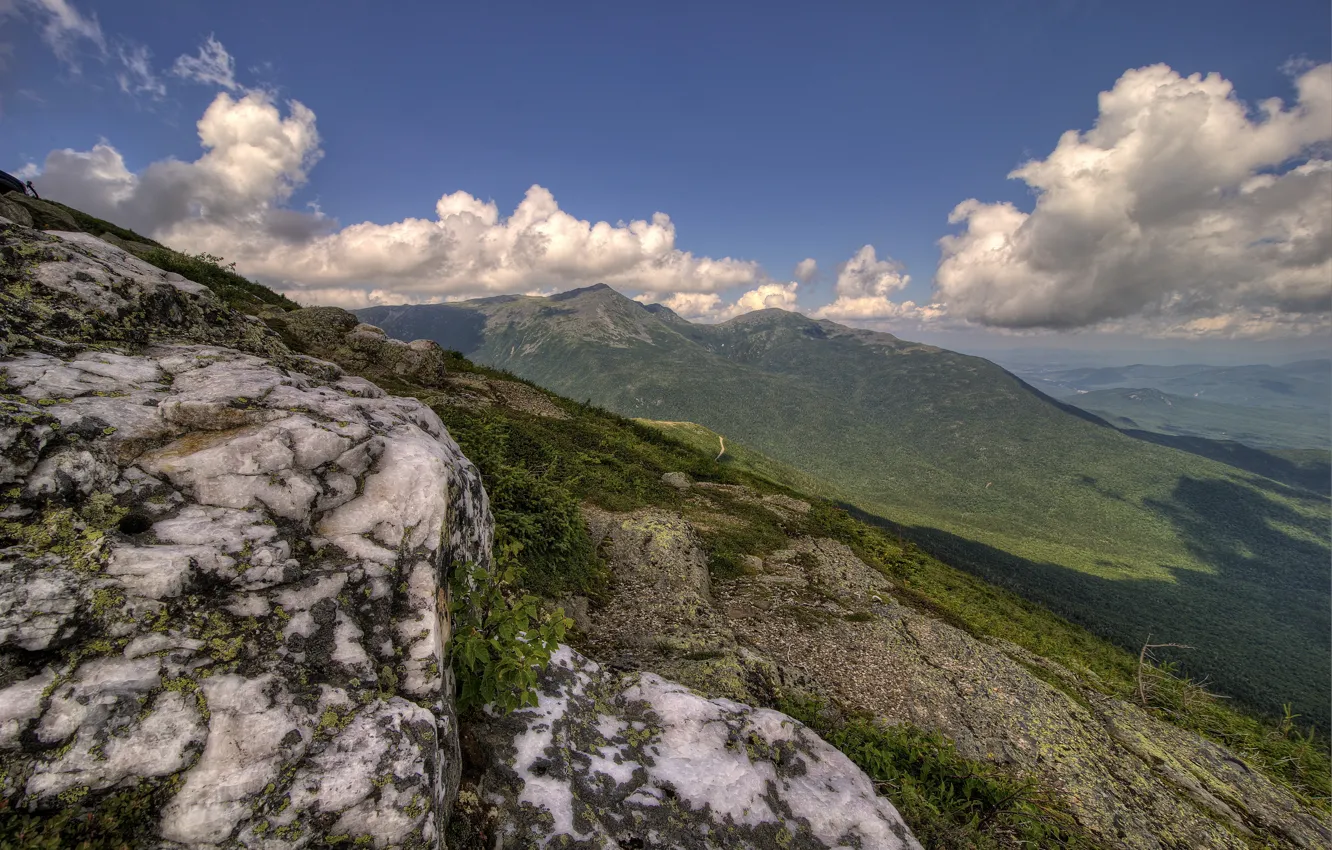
x,y
584,290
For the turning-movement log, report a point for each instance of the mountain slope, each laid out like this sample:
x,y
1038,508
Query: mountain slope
x,y
1128,538
1021,730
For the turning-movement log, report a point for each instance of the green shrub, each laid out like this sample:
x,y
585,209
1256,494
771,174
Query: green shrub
x,y
501,639
118,821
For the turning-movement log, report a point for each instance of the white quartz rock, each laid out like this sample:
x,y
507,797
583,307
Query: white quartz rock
x,y
568,771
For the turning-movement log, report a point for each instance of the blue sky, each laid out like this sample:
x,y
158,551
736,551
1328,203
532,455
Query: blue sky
x,y
768,132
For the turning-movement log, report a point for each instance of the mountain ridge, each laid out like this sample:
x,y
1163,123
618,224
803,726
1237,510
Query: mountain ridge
x,y
960,449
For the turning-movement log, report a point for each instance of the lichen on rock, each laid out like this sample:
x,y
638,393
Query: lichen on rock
x,y
223,573
813,618
608,760
221,566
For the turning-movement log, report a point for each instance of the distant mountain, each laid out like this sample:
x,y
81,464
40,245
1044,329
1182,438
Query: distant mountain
x,y
1124,536
1151,409
1304,384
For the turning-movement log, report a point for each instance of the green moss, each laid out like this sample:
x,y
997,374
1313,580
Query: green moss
x,y
75,536
186,685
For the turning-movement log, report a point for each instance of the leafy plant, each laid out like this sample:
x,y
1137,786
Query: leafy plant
x,y
501,637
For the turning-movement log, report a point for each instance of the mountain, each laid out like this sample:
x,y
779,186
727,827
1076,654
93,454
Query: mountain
x,y
199,616
1305,384
1129,538
1165,413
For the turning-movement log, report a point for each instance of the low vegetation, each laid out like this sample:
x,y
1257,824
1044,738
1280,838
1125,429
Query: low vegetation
x,y
218,275
1119,535
949,801
538,470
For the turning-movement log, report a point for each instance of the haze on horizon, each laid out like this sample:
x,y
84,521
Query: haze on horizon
x,y
1025,178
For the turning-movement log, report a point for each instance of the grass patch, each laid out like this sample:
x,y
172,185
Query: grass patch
x,y
948,801
96,226
238,292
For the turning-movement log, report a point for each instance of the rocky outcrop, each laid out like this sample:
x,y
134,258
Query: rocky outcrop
x,y
65,291
609,760
222,573
334,334
37,213
223,605
14,210
813,617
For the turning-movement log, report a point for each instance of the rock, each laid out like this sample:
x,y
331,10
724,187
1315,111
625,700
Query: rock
x,y
58,290
15,211
813,617
471,390
678,480
136,248
659,616
44,214
613,761
335,334
221,568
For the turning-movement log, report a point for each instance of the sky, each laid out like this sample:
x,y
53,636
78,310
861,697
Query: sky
x,y
1062,174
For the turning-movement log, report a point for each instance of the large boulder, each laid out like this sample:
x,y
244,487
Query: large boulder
x,y
16,212
335,334
609,760
222,571
60,292
44,214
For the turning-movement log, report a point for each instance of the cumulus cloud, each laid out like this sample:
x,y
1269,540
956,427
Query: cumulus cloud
x,y
136,75
213,66
864,289
1181,212
807,270
709,306
232,202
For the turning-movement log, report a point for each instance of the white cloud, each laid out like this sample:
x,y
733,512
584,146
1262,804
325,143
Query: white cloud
x,y
1181,212
806,270
28,171
231,202
768,296
63,27
213,66
864,289
137,76
709,307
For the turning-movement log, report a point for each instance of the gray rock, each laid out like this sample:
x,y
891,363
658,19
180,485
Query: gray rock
x,y
13,210
609,761
44,215
221,570
133,247
813,617
73,289
678,480
334,334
